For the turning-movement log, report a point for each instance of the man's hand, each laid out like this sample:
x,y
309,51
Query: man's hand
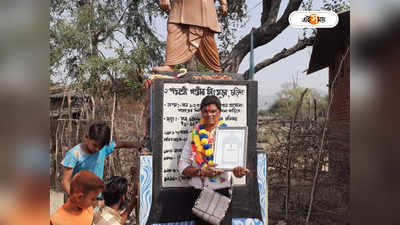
x,y
240,171
165,5
223,9
144,151
144,143
210,171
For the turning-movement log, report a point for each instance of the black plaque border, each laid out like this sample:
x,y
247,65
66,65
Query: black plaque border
x,y
245,199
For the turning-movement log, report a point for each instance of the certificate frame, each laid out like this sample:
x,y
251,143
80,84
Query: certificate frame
x,y
230,147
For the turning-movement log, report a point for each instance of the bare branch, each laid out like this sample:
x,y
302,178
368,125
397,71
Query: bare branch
x,y
123,14
265,11
289,157
262,36
276,136
111,30
300,45
122,45
270,11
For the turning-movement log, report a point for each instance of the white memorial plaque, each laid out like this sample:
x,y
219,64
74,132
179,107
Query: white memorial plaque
x,y
181,112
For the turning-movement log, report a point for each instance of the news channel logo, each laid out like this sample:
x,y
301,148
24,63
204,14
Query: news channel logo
x,y
313,19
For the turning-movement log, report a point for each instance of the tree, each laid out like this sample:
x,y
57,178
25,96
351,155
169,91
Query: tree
x,y
290,95
94,40
271,27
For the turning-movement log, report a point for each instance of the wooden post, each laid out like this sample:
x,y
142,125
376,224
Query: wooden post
x,y
69,98
93,107
315,109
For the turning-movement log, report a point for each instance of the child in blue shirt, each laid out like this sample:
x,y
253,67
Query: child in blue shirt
x,y
90,155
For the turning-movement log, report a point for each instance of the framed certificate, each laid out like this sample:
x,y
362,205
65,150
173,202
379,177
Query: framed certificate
x,y
230,148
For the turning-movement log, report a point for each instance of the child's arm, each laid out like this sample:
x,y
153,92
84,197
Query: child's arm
x,y
127,144
66,180
128,210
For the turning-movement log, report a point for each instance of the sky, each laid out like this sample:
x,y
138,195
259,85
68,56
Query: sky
x,y
272,77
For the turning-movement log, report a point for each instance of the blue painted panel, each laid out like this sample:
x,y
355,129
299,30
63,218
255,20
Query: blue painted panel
x,y
262,185
246,221
178,223
146,187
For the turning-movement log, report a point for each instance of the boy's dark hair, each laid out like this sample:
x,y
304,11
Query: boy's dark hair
x,y
209,100
116,187
99,132
85,181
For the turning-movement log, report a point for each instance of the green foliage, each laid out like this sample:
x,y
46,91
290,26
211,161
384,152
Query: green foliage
x,y
336,5
306,5
290,95
263,112
92,41
263,137
129,87
230,24
202,68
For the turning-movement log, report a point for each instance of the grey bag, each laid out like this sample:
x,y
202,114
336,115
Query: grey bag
x,y
211,206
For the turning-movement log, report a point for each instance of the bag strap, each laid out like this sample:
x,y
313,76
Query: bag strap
x,y
231,187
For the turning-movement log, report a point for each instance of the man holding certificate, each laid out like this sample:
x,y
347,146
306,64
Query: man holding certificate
x,y
197,159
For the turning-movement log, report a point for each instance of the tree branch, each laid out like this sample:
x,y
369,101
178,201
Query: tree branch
x,y
147,29
117,24
300,45
265,11
270,11
262,36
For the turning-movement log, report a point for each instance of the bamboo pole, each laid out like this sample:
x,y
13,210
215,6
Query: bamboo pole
x,y
57,142
93,108
112,132
69,98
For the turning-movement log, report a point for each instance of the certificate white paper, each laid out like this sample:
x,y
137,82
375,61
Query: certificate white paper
x,y
230,147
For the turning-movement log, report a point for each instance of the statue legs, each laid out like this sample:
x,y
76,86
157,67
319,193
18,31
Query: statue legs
x,y
184,41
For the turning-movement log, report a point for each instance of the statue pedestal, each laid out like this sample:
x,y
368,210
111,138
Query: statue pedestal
x,y
200,75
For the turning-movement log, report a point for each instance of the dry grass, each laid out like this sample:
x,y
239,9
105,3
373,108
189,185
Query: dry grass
x,y
331,200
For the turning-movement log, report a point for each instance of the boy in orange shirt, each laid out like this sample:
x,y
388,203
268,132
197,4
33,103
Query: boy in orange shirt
x,y
78,210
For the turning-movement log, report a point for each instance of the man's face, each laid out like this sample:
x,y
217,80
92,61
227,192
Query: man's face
x,y
210,114
86,201
93,146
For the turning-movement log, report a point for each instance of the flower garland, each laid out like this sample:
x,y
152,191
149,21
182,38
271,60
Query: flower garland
x,y
202,144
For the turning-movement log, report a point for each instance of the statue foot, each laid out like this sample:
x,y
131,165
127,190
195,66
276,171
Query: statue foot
x,y
159,69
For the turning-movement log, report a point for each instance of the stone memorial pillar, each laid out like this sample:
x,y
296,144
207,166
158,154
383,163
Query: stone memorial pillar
x,y
174,111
